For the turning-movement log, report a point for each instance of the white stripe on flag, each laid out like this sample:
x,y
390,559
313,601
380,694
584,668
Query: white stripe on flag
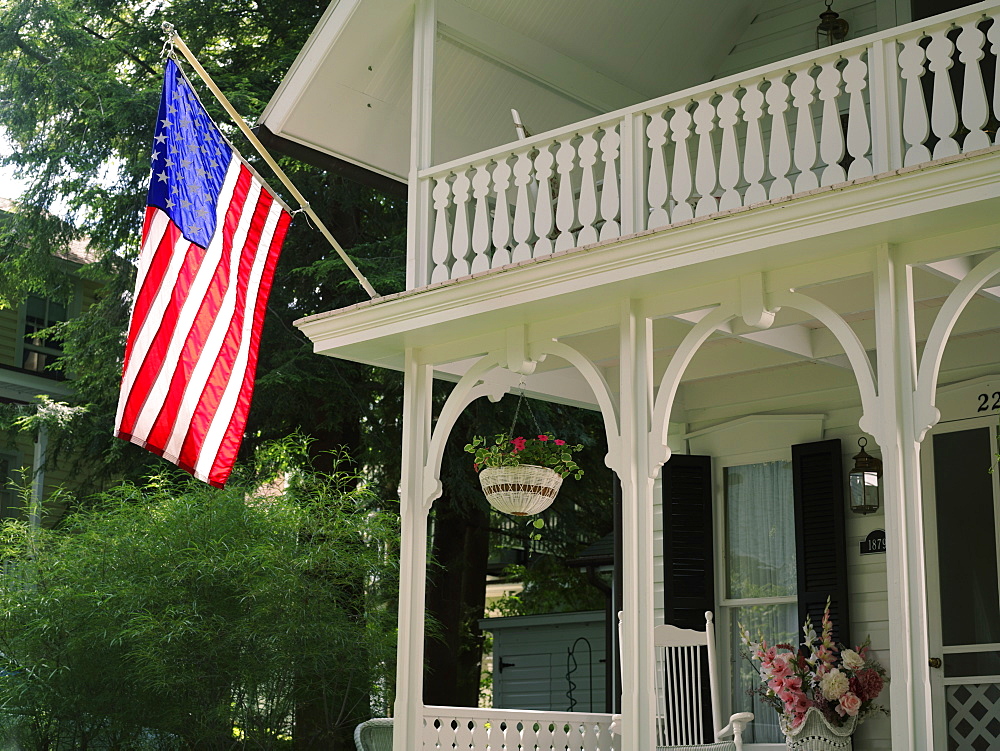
x,y
148,251
220,422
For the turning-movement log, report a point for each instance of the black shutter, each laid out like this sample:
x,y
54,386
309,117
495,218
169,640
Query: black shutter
x,y
820,540
688,560
688,563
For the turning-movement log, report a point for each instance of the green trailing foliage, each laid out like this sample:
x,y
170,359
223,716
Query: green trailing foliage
x,y
176,616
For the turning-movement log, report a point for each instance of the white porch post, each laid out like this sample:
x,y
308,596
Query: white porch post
x,y
418,194
636,400
905,566
413,507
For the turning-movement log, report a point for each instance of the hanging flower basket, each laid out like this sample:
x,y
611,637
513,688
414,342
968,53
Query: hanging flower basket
x,y
520,490
816,734
521,476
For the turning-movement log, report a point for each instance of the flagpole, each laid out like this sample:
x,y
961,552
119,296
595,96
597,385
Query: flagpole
x,y
175,39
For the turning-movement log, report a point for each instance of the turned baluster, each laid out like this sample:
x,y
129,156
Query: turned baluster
x,y
501,215
753,152
975,108
610,195
543,202
831,140
657,190
729,158
440,242
805,134
779,152
706,173
481,219
587,209
680,127
461,240
944,113
522,208
858,133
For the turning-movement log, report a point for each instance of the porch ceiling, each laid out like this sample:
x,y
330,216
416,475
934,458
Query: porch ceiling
x,y
559,61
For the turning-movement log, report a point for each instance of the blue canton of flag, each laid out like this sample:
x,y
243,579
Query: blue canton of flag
x,y
189,160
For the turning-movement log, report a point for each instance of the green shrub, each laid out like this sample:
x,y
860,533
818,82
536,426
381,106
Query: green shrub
x,y
175,615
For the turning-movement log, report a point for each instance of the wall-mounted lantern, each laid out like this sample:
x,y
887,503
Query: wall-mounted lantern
x,y
832,28
865,481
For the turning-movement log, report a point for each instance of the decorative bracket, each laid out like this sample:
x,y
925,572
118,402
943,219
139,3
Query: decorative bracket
x,y
753,309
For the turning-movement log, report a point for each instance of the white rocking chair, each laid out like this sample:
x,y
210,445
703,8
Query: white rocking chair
x,y
679,684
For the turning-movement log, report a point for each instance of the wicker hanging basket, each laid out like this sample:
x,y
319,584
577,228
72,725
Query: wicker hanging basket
x,y
816,734
520,490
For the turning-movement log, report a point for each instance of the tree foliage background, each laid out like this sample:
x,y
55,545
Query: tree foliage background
x,y
79,88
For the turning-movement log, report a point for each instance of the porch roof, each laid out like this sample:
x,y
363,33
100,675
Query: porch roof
x,y
347,95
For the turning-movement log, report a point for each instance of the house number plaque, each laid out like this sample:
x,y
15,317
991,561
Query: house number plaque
x,y
874,543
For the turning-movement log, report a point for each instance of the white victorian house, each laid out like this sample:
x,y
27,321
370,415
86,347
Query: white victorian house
x,y
747,254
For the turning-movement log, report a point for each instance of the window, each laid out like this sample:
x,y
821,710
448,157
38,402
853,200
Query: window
x,y
38,351
760,583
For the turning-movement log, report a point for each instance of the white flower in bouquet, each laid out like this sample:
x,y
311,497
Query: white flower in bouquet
x,y
851,659
834,685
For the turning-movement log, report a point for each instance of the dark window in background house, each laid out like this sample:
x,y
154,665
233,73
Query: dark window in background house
x,y
40,351
9,507
927,8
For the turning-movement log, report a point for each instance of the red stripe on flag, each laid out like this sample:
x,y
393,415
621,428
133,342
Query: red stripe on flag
x,y
230,446
222,370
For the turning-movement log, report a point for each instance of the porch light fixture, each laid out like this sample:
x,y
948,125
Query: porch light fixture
x,y
865,479
832,28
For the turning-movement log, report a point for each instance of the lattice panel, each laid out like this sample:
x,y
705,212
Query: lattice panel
x,y
973,717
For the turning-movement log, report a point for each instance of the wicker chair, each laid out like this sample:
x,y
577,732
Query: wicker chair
x,y
374,735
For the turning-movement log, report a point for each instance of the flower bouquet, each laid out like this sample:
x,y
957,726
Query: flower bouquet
x,y
839,684
521,476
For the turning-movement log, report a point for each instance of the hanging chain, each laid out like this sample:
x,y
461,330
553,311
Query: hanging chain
x,y
517,411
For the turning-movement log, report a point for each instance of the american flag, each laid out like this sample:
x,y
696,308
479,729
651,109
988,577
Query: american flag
x,y
210,241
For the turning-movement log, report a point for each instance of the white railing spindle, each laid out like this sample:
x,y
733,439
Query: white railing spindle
x,y
441,239
975,108
706,175
481,219
803,87
461,240
565,202
501,215
680,127
858,132
831,140
610,193
587,209
657,188
543,202
522,207
753,151
944,113
729,159
779,152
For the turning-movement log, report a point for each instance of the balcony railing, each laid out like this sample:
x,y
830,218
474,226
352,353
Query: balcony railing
x,y
462,729
893,99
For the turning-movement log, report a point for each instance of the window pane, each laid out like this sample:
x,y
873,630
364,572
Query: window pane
x,y
967,543
760,531
778,625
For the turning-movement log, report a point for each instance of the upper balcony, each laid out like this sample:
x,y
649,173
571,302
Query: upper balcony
x,y
822,121
400,88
